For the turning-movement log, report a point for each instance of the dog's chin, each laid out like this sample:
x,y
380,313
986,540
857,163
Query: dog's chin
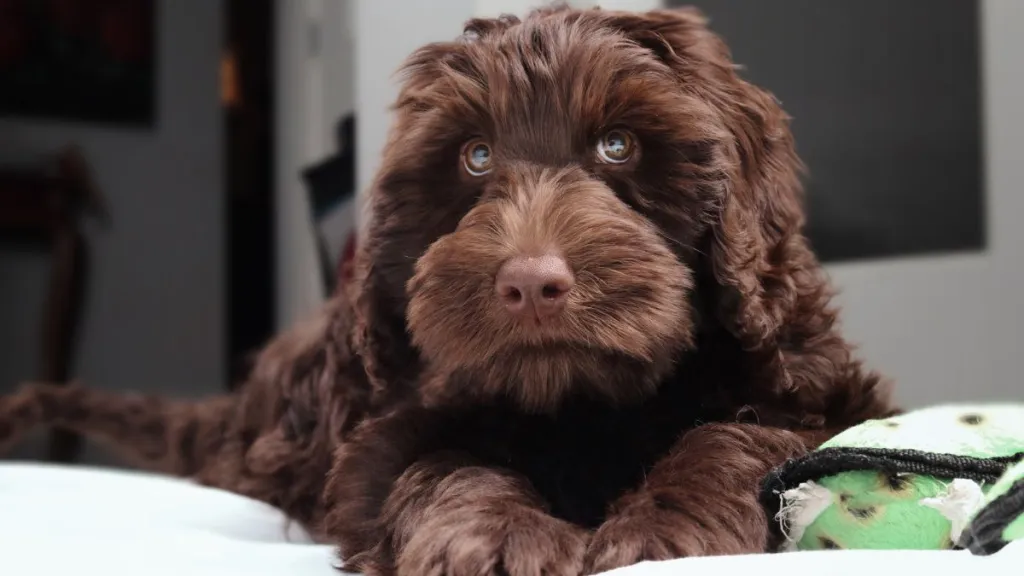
x,y
540,377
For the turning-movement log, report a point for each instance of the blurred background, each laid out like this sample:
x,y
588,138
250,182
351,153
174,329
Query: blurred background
x,y
180,179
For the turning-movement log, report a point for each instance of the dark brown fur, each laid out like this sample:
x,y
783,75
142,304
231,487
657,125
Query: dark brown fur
x,y
421,429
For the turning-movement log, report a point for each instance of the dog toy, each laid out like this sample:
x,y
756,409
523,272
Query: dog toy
x,y
928,479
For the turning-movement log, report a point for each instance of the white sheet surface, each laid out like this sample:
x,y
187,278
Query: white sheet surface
x,y
57,521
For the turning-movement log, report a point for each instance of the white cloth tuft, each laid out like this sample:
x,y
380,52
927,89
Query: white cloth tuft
x,y
800,507
958,503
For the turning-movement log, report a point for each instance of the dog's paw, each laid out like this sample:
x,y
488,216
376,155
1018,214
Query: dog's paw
x,y
639,536
525,543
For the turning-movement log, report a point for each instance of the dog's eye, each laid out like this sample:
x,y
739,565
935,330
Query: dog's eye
x,y
616,147
476,157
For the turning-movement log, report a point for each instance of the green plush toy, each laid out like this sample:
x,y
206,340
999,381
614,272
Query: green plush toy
x,y
925,480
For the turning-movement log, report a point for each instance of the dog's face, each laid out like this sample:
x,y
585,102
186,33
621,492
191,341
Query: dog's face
x,y
546,195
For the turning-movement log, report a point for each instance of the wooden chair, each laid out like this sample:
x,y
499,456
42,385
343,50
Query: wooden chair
x,y
44,206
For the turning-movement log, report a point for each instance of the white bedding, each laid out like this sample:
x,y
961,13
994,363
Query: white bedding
x,y
57,521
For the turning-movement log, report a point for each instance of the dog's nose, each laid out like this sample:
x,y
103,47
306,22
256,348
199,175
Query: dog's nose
x,y
534,286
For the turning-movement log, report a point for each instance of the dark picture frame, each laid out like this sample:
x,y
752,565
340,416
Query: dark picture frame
x,y
886,100
79,60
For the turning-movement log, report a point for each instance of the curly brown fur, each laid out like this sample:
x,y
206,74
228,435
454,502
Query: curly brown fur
x,y
271,440
425,429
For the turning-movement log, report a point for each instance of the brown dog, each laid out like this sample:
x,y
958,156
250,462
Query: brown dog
x,y
586,322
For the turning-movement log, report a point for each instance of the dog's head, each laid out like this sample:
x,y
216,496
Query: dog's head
x,y
550,191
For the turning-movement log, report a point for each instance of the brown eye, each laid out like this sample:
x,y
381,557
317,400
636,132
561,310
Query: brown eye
x,y
616,147
476,157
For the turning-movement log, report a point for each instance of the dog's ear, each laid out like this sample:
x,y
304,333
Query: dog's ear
x,y
385,251
771,290
379,336
400,225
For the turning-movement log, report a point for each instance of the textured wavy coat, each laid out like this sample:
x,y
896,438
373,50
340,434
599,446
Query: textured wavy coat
x,y
425,429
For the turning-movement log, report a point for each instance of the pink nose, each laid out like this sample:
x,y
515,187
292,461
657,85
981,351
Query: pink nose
x,y
534,287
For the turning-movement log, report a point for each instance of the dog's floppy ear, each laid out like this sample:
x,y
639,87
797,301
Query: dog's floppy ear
x,y
379,335
771,287
400,226
385,251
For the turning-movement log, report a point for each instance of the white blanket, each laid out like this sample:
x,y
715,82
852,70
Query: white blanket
x,y
57,521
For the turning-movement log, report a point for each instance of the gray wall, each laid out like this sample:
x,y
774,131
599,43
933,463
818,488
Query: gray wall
x,y
951,328
153,318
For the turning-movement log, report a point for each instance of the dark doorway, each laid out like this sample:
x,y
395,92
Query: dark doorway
x,y
247,93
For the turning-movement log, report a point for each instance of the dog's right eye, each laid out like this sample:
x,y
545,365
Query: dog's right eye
x,y
476,157
616,147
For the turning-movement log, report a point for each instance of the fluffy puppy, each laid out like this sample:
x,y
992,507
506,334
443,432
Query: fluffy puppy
x,y
585,321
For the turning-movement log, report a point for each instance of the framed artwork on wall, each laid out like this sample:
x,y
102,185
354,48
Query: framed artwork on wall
x,y
78,60
887,114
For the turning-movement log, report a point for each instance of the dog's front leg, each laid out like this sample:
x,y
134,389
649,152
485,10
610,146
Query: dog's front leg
x,y
701,499
403,501
446,519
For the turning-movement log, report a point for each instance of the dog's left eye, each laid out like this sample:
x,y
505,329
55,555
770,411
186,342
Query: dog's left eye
x,y
476,157
616,146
